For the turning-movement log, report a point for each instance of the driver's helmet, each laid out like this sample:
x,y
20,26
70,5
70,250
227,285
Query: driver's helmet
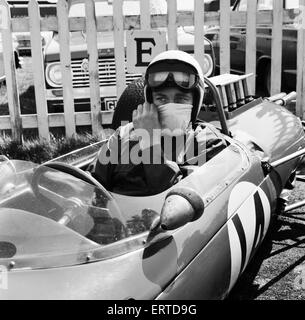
x,y
176,68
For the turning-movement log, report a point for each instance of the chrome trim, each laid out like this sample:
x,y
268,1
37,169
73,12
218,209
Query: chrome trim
x,y
49,81
107,73
80,93
211,63
80,77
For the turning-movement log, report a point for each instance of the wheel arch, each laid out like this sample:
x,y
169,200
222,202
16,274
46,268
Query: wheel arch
x,y
262,62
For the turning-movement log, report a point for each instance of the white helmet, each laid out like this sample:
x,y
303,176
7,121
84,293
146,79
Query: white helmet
x,y
176,60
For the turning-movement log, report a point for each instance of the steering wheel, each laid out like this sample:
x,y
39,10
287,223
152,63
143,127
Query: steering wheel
x,y
77,173
71,170
74,205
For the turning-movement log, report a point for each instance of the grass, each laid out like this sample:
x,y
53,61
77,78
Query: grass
x,y
40,151
32,149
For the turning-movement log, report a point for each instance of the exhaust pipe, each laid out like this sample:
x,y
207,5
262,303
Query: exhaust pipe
x,y
283,99
292,156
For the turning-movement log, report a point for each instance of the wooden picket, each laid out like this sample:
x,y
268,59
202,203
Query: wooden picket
x,y
276,50
119,51
91,30
10,72
199,31
172,24
65,60
224,36
145,14
300,103
38,72
251,44
92,24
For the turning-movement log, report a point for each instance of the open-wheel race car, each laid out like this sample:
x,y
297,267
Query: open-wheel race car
x,y
64,236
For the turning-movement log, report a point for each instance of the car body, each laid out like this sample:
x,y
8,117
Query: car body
x,y
63,236
79,56
263,38
213,5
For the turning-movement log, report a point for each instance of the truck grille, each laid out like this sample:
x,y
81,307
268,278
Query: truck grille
x,y
107,73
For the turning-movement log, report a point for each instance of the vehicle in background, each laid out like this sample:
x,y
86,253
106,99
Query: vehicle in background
x,y
107,75
264,43
19,9
213,5
16,55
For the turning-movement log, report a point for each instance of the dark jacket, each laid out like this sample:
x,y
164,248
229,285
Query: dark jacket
x,y
122,167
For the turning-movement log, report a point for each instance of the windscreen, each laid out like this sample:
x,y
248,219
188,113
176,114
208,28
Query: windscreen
x,y
49,213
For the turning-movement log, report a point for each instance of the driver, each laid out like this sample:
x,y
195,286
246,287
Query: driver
x,y
145,157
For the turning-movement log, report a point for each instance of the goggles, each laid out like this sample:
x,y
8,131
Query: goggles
x,y
184,80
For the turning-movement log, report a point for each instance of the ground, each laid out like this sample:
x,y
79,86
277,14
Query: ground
x,y
277,271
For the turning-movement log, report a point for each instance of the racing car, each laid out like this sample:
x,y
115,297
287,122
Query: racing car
x,y
64,236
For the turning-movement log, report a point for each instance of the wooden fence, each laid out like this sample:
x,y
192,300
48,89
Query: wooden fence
x,y
118,23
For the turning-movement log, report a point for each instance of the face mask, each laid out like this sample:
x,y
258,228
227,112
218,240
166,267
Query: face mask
x,y
175,117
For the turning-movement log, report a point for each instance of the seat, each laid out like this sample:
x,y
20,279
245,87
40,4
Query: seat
x,y
132,96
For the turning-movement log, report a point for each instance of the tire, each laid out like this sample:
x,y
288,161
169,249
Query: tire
x,y
267,79
263,78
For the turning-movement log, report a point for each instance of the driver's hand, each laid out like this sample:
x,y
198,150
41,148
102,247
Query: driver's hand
x,y
147,125
146,117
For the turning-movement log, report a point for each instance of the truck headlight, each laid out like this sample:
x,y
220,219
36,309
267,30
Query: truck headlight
x,y
208,65
54,75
